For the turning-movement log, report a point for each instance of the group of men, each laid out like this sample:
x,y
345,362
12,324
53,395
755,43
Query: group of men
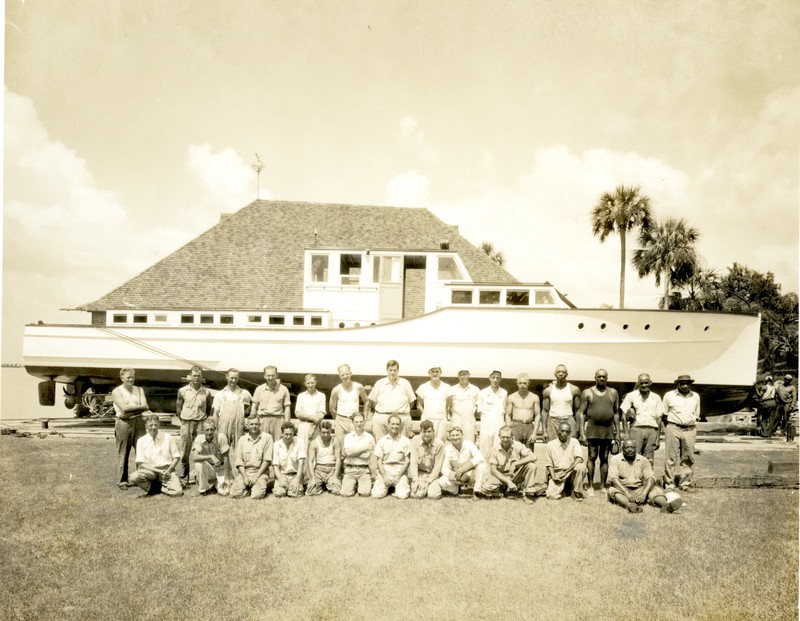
x,y
775,402
242,444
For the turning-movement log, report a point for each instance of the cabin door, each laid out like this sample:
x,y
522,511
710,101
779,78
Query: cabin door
x,y
389,272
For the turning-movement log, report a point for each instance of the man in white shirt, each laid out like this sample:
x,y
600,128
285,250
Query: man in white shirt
x,y
392,457
492,409
462,403
288,463
463,465
390,395
682,411
157,456
566,470
432,400
643,409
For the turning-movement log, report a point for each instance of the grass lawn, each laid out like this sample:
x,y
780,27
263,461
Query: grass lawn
x,y
75,547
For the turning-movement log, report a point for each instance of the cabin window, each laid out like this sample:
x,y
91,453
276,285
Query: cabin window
x,y
461,297
350,268
187,318
316,321
489,297
319,268
254,318
298,321
206,319
544,298
160,318
517,298
226,320
119,319
386,269
448,270
140,319
277,320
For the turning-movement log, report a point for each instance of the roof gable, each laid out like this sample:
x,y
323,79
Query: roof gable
x,y
253,259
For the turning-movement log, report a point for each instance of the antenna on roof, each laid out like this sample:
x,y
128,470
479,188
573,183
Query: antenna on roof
x,y
258,166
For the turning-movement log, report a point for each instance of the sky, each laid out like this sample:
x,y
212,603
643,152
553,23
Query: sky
x,y
129,127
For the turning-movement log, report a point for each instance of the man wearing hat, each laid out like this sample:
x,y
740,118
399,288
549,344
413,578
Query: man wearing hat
x,y
462,403
522,412
681,413
786,395
432,400
492,408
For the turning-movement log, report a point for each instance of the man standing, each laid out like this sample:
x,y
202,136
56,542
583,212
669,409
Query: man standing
x,y
157,456
432,400
682,411
288,463
644,410
600,410
209,454
346,400
192,408
271,403
324,462
253,457
492,408
229,408
462,403
390,395
631,482
786,396
767,405
427,456
560,401
512,468
392,456
565,468
463,465
309,410
522,412
129,405
359,469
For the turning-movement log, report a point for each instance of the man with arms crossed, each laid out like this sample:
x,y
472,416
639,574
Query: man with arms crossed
x,y
522,412
512,468
392,457
253,457
345,401
324,462
560,401
631,482
462,403
492,408
643,410
432,400
271,403
566,471
682,411
463,465
598,422
157,456
427,456
357,455
390,395
288,463
209,454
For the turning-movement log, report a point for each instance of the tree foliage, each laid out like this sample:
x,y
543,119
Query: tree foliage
x,y
496,255
626,209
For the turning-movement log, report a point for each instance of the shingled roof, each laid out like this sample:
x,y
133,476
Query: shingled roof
x,y
253,259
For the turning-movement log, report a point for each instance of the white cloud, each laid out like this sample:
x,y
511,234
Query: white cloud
x,y
225,176
409,189
421,152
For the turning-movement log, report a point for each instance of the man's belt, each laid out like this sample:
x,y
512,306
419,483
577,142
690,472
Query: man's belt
x,y
522,422
681,426
268,415
356,465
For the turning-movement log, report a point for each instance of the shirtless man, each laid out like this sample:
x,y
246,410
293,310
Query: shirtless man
x,y
560,401
432,400
346,400
462,403
492,407
598,423
390,395
324,462
522,412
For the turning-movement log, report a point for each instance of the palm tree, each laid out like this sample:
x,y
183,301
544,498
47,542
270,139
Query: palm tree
x,y
498,256
667,250
624,210
704,291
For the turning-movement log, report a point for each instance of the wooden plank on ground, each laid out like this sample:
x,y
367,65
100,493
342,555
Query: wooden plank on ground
x,y
768,480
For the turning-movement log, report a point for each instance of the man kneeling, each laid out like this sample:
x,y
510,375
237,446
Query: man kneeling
x,y
392,457
209,451
288,463
463,465
427,456
157,456
566,471
631,482
512,468
324,462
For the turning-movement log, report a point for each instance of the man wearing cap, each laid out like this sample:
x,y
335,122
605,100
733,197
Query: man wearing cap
x,y
427,456
492,408
462,403
598,425
560,402
631,482
643,410
522,412
346,400
566,471
432,400
463,465
271,403
786,396
681,411
512,468
390,395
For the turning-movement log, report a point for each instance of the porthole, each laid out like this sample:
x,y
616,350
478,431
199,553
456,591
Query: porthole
x,y
580,326
341,324
647,326
678,327
625,326
706,328
602,326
